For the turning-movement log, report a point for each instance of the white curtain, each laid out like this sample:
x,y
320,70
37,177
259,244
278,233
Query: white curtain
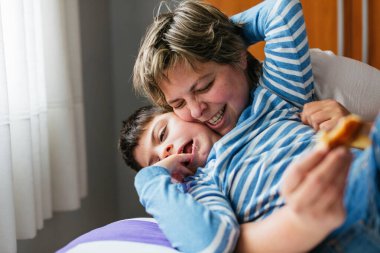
x,y
42,139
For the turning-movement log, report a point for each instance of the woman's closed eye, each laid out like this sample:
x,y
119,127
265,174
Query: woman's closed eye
x,y
205,88
179,104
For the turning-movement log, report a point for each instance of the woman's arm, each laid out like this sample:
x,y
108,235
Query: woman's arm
x,y
313,188
287,66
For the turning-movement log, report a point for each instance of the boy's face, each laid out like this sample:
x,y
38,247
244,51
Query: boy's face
x,y
167,134
214,94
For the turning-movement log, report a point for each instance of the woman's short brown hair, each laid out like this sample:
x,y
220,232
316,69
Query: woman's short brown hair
x,y
194,32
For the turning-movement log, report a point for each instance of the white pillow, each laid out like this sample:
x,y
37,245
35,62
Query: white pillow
x,y
354,84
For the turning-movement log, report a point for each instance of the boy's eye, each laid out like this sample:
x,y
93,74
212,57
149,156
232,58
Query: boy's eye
x,y
162,134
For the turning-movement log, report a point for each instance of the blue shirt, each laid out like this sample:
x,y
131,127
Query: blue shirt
x,y
240,182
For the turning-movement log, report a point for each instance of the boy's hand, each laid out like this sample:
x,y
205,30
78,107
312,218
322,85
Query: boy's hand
x,y
323,115
176,165
313,188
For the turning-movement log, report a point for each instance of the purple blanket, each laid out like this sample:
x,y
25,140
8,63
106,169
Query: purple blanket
x,y
132,230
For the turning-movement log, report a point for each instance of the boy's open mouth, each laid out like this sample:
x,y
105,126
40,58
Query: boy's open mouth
x,y
187,149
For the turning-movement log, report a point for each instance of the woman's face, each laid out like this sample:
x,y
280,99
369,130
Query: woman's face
x,y
214,94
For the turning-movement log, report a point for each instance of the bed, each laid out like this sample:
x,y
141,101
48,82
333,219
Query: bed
x,y
354,84
139,235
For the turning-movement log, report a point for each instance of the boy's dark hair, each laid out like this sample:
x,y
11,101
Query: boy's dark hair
x,y
132,129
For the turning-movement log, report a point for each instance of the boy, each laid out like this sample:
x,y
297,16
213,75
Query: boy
x,y
137,149
151,134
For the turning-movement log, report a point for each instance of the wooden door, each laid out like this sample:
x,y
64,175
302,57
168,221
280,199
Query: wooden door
x,y
322,26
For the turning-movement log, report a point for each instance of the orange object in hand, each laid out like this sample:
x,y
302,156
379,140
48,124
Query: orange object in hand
x,y
351,131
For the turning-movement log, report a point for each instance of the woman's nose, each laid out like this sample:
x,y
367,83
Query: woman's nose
x,y
196,109
168,150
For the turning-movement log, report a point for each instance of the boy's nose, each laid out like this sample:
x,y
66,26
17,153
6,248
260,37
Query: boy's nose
x,y
168,150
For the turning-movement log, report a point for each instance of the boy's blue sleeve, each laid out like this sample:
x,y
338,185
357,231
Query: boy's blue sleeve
x,y
253,21
202,222
287,66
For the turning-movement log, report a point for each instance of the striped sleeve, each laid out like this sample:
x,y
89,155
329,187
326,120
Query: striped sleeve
x,y
287,67
199,221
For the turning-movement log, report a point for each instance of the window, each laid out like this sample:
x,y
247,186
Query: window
x,y
42,141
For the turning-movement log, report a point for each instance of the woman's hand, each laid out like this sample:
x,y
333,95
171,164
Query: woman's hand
x,y
323,115
313,188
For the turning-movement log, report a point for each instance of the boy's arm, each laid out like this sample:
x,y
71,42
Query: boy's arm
x,y
196,222
313,188
287,66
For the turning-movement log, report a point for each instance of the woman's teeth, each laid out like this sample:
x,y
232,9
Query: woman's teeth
x,y
217,117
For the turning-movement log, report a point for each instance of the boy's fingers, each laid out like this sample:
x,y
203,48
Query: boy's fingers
x,y
183,160
179,169
185,157
180,158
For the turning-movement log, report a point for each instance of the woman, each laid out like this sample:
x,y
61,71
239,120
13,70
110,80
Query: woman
x,y
207,76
